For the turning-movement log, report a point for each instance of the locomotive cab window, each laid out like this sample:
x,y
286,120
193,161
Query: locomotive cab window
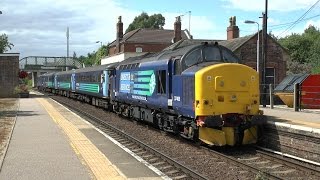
x,y
228,56
211,53
193,58
161,82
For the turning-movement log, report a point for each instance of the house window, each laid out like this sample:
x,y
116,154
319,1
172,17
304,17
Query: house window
x,y
138,49
270,75
161,82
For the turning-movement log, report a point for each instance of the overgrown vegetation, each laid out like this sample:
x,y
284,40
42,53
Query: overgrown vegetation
x,y
304,51
93,58
5,45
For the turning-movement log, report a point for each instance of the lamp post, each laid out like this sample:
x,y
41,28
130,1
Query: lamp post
x,y
258,42
99,42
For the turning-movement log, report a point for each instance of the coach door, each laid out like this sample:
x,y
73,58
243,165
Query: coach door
x,y
105,83
73,82
55,81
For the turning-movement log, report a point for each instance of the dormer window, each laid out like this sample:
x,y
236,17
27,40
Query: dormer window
x,y
138,49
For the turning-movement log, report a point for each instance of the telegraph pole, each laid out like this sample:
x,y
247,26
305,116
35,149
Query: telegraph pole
x,y
265,54
67,49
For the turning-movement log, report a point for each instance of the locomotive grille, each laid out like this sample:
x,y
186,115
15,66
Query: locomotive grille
x,y
188,91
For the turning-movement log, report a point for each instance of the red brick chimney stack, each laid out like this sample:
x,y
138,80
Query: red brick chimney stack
x,y
233,29
177,30
119,34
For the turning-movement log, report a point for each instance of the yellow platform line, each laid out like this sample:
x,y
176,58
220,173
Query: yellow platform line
x,y
98,163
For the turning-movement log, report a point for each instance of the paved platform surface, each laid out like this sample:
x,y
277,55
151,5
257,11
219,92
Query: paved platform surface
x,y
51,142
38,149
283,115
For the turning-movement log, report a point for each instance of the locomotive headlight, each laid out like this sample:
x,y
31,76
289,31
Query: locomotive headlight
x,y
233,98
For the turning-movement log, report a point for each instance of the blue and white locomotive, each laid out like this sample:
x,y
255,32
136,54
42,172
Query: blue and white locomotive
x,y
197,90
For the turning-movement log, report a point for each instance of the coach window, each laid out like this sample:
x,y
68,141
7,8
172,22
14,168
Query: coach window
x,y
270,75
161,82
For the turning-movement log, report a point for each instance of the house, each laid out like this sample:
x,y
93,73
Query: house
x,y
246,49
142,41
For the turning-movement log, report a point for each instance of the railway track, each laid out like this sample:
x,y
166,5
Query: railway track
x,y
305,146
168,166
271,165
204,162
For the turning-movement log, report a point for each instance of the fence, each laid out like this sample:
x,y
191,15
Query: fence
x,y
303,97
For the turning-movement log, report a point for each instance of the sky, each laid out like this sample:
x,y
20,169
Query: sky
x,y
38,27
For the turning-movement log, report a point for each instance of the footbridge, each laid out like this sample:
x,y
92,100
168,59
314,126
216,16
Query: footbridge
x,y
37,65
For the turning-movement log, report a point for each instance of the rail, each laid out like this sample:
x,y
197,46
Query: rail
x,y
186,170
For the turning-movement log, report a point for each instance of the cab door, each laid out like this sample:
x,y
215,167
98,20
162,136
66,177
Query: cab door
x,y
169,81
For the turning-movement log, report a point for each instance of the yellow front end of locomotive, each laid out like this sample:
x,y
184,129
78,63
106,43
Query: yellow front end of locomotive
x,y
227,88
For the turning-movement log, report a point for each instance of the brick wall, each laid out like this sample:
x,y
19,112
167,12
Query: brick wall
x,y
131,47
9,69
276,57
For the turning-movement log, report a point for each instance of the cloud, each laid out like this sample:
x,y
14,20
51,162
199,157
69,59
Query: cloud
x,y
313,23
201,27
277,5
38,27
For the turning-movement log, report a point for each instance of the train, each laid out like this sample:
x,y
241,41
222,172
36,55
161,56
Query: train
x,y
194,89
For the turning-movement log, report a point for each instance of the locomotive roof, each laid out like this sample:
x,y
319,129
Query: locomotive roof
x,y
65,72
96,68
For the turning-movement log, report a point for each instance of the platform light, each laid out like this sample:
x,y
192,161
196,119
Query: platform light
x,y
258,41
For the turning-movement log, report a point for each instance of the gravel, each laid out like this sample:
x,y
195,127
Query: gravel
x,y
8,111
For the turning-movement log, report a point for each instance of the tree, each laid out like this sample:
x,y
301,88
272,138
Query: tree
x,y
304,50
74,56
102,52
94,58
4,43
155,21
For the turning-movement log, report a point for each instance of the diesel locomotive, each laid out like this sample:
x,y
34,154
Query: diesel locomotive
x,y
195,89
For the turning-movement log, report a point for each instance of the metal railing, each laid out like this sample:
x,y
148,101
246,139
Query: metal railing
x,y
44,62
304,97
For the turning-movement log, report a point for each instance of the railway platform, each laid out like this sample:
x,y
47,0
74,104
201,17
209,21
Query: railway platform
x,y
303,121
51,142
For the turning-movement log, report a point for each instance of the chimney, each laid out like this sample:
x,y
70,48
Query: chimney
x,y
233,29
119,34
177,30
